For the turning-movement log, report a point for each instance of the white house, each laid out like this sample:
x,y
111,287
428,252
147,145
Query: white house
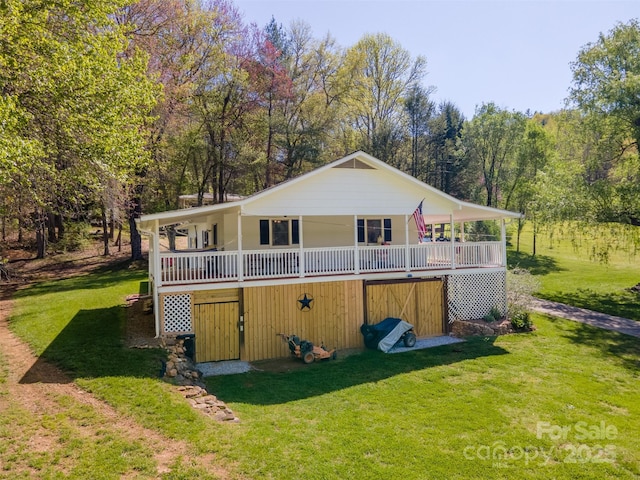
x,y
319,255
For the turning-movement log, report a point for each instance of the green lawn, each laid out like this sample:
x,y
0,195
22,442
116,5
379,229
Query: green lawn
x,y
571,268
487,408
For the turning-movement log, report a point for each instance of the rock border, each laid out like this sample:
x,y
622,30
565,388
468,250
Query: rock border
x,y
471,328
180,370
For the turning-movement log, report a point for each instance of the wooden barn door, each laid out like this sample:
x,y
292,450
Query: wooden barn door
x,y
419,302
216,327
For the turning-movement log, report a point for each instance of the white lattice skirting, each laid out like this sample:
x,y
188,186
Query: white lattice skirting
x,y
177,313
472,296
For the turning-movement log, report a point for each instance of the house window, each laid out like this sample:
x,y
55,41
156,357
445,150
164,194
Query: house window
x,y
279,232
373,230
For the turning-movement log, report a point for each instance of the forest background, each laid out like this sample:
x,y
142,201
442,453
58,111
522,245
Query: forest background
x,y
111,108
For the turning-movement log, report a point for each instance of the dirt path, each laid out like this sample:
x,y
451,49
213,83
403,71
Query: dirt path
x,y
37,387
34,385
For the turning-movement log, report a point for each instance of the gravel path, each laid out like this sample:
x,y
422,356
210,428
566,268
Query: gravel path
x,y
230,367
427,343
582,315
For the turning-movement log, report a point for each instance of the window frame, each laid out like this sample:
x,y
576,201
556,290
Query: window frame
x,y
363,230
266,232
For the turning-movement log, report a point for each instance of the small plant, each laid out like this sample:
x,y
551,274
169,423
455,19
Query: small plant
x,y
521,320
493,316
520,287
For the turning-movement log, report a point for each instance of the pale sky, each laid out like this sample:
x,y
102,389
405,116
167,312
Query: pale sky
x,y
514,53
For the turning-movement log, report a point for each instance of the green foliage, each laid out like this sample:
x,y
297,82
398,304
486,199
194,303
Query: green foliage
x,y
76,105
482,231
76,238
491,141
565,271
606,91
493,316
521,320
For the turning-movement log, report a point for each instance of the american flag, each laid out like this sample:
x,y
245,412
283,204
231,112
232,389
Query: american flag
x,y
417,216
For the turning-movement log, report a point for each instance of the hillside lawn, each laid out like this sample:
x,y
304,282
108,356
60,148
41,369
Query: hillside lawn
x,y
560,402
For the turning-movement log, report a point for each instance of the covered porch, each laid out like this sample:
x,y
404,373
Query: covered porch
x,y
192,267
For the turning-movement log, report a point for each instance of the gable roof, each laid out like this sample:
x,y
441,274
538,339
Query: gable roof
x,y
357,184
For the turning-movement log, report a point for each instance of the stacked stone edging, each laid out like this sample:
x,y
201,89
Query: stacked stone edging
x,y
470,328
180,370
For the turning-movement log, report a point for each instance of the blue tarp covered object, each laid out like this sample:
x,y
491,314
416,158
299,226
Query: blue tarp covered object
x,y
384,335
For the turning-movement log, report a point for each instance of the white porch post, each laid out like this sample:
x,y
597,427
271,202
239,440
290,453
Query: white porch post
x,y
407,256
356,252
157,275
462,231
453,242
301,240
503,234
240,263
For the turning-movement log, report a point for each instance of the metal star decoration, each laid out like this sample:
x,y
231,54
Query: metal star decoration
x,y
305,302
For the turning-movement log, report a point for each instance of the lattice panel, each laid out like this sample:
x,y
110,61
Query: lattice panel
x,y
471,296
177,313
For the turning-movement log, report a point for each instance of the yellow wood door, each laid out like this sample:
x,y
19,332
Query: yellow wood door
x,y
421,303
216,327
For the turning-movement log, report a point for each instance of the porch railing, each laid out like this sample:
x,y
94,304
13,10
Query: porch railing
x,y
220,266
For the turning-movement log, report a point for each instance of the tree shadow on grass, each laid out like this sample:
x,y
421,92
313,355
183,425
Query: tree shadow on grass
x,y
265,388
103,277
91,345
537,265
625,348
623,304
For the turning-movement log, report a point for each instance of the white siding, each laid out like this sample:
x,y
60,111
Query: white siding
x,y
343,191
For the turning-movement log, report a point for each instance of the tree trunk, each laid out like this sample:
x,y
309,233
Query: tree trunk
x,y
136,239
59,223
119,239
51,228
41,239
105,232
112,223
134,212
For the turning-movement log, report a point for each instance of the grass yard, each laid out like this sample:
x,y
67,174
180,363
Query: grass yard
x,y
571,267
561,402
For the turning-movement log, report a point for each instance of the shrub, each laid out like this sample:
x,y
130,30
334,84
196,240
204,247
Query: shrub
x,y
75,238
520,287
493,316
521,321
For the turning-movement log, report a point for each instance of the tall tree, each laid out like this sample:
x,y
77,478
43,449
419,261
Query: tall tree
x,y
607,92
448,170
491,140
382,74
419,110
79,104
